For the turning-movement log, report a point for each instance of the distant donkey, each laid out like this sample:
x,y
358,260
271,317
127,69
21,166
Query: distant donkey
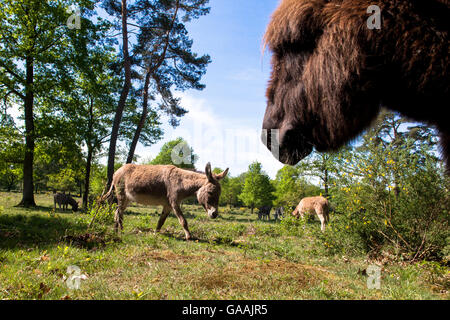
x,y
311,205
165,185
264,212
279,213
64,200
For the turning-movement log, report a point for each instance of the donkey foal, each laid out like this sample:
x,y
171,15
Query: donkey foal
x,y
311,205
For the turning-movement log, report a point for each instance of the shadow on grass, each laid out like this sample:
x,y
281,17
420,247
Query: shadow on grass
x,y
33,230
245,219
171,233
42,209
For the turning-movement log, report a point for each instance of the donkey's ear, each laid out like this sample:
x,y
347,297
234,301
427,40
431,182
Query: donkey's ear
x,y
208,172
222,175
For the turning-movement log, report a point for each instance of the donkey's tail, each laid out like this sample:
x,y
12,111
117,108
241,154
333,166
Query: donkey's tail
x,y
107,196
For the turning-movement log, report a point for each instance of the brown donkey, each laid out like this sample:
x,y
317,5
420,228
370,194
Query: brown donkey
x,y
165,185
311,205
331,73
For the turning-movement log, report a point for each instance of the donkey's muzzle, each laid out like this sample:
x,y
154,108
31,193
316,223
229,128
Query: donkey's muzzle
x,y
213,213
287,145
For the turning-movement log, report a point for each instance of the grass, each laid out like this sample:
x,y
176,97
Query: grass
x,y
234,257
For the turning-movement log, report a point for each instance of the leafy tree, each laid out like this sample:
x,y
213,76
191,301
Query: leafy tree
x,y
176,152
65,180
90,104
257,190
11,153
231,189
163,53
58,165
323,166
122,11
34,45
290,188
395,197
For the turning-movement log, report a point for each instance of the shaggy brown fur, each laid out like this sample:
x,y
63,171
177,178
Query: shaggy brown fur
x,y
165,185
331,73
311,205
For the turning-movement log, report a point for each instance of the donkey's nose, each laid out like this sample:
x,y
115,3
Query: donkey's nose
x,y
213,213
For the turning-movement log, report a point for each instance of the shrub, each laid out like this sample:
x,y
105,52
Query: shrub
x,y
292,226
101,214
402,207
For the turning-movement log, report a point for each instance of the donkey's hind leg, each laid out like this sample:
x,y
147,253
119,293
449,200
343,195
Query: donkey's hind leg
x,y
162,218
322,217
118,216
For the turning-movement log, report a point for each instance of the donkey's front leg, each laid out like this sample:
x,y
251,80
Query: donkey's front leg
x,y
182,220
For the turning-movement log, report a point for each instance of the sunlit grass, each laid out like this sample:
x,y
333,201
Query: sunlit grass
x,y
234,257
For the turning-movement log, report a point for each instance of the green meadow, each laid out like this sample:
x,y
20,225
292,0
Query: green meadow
x,y
235,256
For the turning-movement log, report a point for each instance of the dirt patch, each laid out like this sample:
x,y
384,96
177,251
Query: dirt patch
x,y
245,274
9,233
168,256
162,256
89,240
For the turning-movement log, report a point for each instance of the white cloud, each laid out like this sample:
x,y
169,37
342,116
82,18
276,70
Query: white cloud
x,y
225,142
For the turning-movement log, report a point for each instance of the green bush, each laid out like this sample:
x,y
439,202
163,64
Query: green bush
x,y
101,214
292,226
400,206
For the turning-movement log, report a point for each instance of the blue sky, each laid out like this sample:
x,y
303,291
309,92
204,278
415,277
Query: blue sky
x,y
224,120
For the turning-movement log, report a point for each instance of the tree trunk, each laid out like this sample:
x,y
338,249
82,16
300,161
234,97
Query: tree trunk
x,y
141,123
90,147
151,70
28,195
123,97
87,178
325,182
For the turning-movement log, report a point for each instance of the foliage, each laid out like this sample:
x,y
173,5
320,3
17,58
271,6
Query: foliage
x,y
393,197
231,189
11,154
63,180
57,166
324,167
164,50
178,153
36,49
101,214
257,190
161,60
291,187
